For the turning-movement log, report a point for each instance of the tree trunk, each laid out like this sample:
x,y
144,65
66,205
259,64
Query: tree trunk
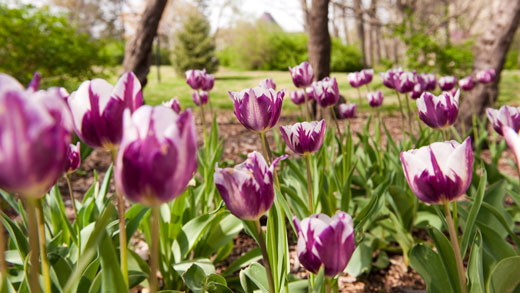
x,y
490,52
138,50
360,28
345,25
305,11
319,45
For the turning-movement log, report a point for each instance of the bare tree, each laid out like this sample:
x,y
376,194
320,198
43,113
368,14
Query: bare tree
x,y
358,11
138,50
319,45
490,52
306,16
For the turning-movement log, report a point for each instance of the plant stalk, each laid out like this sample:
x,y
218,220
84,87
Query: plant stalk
x,y
309,180
307,111
203,120
154,263
71,194
33,242
265,256
122,226
336,122
359,97
400,109
268,154
43,249
456,249
409,113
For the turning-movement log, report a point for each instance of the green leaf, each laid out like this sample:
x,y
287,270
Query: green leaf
x,y
134,216
319,280
429,265
505,276
447,256
135,278
16,235
251,256
254,277
475,269
469,227
61,269
194,278
361,260
111,276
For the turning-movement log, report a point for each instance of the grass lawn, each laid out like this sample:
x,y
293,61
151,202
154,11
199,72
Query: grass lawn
x,y
227,79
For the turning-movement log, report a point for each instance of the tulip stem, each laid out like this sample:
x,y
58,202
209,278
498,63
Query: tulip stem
x,y
265,256
154,263
455,246
71,194
400,109
307,112
122,226
309,184
33,242
203,120
43,249
336,122
409,114
359,97
267,154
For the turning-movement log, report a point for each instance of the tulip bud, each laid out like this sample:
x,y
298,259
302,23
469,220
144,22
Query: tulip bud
x,y
366,75
375,99
305,137
418,89
388,78
302,75
326,242
258,108
447,83
506,116
298,97
513,141
196,79
268,83
404,82
36,129
486,75
208,81
200,98
440,172
158,155
74,158
430,81
355,79
173,104
34,85
247,189
438,111
347,111
97,109
310,92
326,92
466,83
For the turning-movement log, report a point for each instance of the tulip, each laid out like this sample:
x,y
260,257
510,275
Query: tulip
x,y
404,82
196,79
486,75
268,83
466,83
440,172
506,116
200,98
247,189
430,81
35,134
347,111
366,75
173,104
305,137
310,91
97,109
258,108
438,111
326,242
375,99
326,92
34,85
298,97
355,79
73,158
208,81
513,141
302,75
447,83
158,155
388,77
418,89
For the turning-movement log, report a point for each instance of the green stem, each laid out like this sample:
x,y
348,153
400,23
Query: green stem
x,y
33,242
67,178
268,154
444,134
306,105
203,120
43,249
154,263
409,113
456,249
359,97
122,226
265,256
336,122
309,180
401,109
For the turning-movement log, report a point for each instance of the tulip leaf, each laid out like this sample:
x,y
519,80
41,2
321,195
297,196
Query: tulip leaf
x,y
429,265
505,277
475,266
134,216
16,235
447,256
361,260
61,269
135,278
469,228
319,280
494,247
251,256
220,234
111,276
254,277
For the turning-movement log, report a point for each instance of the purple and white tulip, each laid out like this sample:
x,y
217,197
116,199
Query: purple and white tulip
x,y
298,97
73,158
200,98
35,133
268,83
506,116
486,75
196,78
347,111
34,85
440,172
208,82
355,79
430,81
513,141
158,155
258,108
404,82
326,92
438,111
419,87
302,75
447,83
173,104
466,83
247,189
97,109
375,99
305,137
366,75
325,241
388,78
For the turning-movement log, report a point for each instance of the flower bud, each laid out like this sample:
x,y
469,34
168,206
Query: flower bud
x,y
302,75
355,79
305,137
447,83
438,111
298,97
347,111
268,83
375,99
200,98
173,104
73,158
486,75
513,141
326,92
506,116
466,83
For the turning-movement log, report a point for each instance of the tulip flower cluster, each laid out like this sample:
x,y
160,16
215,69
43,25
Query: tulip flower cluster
x,y
361,78
202,83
